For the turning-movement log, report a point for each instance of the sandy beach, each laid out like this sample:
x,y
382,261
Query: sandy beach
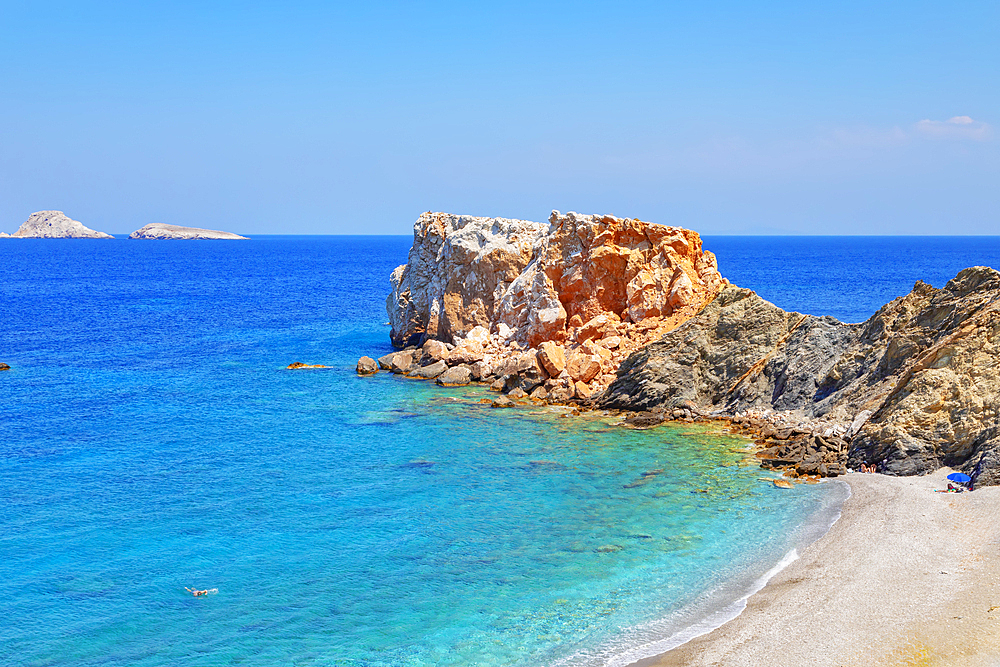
x,y
907,576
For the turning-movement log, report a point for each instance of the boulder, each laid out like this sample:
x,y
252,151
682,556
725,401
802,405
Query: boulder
x,y
597,327
583,390
480,370
539,393
367,366
611,342
560,394
466,352
435,350
552,357
428,372
479,335
502,402
583,367
516,392
402,362
456,376
644,420
4,367
385,362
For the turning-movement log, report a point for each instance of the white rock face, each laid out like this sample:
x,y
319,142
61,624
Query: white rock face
x,y
56,225
161,231
459,269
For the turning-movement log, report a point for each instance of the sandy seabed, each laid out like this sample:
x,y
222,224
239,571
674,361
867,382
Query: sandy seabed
x,y
907,576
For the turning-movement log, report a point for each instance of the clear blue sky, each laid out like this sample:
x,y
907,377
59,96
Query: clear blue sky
x,y
330,118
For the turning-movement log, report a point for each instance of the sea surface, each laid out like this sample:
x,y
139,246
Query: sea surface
x,y
151,440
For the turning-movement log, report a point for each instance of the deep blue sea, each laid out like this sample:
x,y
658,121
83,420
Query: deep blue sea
x,y
151,440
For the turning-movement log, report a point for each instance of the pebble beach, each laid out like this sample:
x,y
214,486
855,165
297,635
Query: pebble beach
x,y
907,576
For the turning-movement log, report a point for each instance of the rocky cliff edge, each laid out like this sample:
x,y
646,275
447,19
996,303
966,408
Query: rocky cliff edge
x,y
915,387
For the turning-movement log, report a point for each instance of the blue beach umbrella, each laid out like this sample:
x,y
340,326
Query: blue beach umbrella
x,y
959,477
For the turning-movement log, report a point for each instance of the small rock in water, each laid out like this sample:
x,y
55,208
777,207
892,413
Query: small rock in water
x,y
608,548
782,483
502,402
367,366
4,367
298,364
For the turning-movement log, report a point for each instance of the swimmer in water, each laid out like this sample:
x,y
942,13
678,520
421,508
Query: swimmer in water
x,y
196,592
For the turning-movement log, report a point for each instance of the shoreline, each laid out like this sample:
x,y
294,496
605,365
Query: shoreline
x,y
905,576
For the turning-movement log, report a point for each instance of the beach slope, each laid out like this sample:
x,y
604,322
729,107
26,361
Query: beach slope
x,y
906,576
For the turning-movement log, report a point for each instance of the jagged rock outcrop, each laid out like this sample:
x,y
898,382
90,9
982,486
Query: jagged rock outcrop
x,y
160,231
582,291
915,387
56,225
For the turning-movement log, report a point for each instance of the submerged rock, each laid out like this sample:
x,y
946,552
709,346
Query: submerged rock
x,y
502,402
56,225
160,231
298,364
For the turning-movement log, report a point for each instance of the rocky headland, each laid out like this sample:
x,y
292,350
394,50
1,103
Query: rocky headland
x,y
625,315
55,225
914,388
159,231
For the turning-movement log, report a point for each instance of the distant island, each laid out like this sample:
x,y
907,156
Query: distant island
x,y
54,225
159,231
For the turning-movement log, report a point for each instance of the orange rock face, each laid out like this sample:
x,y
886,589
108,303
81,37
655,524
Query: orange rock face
x,y
603,265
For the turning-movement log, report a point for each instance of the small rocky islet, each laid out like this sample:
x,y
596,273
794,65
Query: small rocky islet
x,y
163,232
623,315
57,225
54,225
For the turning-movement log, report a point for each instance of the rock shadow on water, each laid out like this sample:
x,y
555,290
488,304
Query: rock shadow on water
x,y
385,417
421,465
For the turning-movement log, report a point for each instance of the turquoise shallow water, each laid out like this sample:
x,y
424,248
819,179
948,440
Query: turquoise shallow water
x,y
152,440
